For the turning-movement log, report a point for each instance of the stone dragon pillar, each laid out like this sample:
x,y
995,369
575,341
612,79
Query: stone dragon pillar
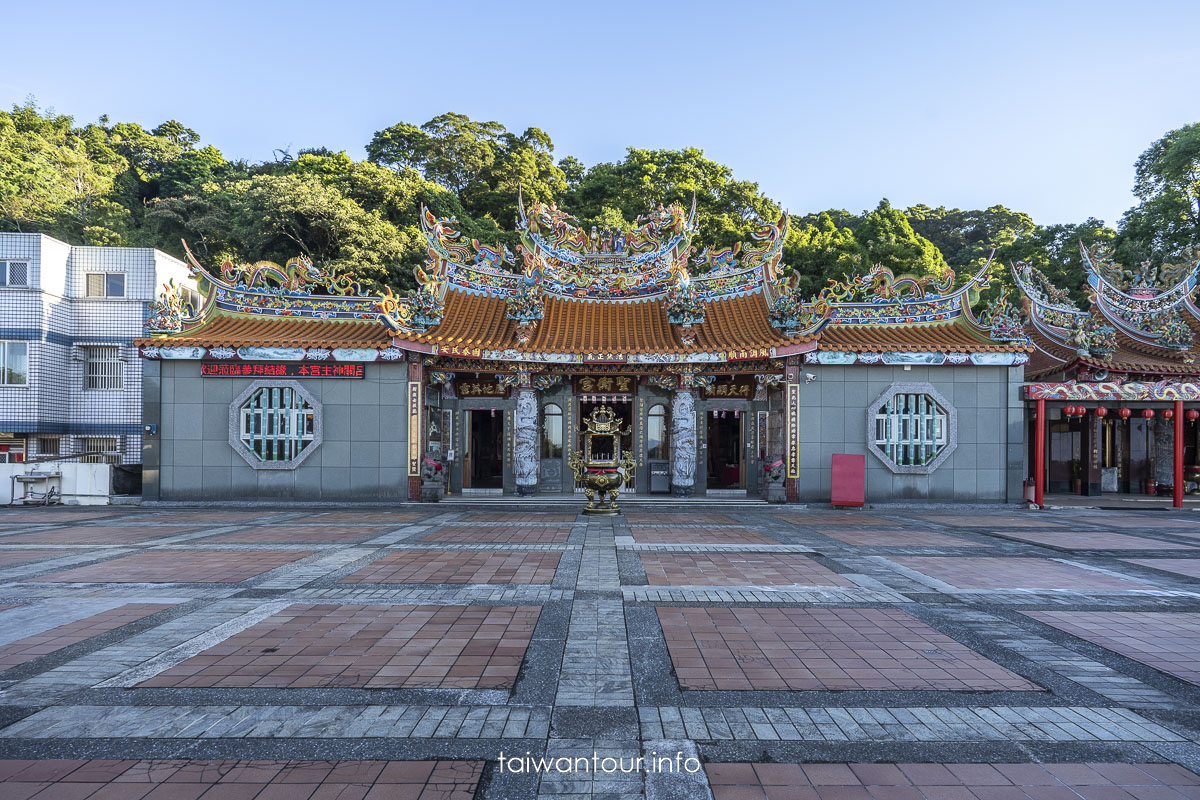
x,y
683,442
525,438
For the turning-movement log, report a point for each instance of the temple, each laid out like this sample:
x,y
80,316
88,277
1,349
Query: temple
x,y
292,382
1107,385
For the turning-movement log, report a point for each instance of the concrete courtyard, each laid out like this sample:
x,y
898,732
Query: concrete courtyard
x,y
740,652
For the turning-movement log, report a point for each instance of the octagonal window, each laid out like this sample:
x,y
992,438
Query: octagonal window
x,y
912,428
274,425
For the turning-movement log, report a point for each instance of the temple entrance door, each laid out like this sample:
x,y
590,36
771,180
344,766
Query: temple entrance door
x,y
483,467
726,462
550,470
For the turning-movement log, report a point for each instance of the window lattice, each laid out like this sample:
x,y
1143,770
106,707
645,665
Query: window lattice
x,y
910,429
277,424
103,451
104,368
14,273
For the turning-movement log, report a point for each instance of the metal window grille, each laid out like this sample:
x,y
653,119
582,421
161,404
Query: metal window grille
x,y
104,368
95,284
277,424
911,429
102,451
49,445
14,273
14,363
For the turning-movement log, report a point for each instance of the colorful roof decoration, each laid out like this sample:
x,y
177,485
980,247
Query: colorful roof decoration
x,y
1139,322
569,295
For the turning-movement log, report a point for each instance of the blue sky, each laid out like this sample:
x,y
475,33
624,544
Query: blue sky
x,y
1039,106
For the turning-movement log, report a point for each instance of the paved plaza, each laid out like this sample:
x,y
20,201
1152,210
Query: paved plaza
x,y
734,652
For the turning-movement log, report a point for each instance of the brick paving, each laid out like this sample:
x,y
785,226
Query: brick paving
x,y
177,779
179,567
780,646
297,534
1166,641
367,646
1181,566
747,781
791,648
514,535
41,644
1091,540
643,534
1013,573
749,569
449,566
884,537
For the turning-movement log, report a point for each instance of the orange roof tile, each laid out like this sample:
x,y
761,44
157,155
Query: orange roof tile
x,y
945,337
256,331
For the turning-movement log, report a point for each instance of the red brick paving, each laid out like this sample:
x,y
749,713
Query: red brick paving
x,y
298,534
1166,641
528,535
239,780
884,537
821,648
224,517
745,781
1013,573
40,644
180,567
1182,566
737,569
374,517
456,566
680,519
9,558
425,647
848,518
1090,540
519,518
51,516
1026,521
96,534
643,534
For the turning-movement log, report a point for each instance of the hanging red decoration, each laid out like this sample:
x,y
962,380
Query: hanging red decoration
x,y
1069,411
1124,413
1192,414
1080,411
1168,413
1148,413
1101,412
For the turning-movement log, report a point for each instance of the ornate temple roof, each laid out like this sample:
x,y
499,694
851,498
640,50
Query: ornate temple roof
x,y
1139,323
574,296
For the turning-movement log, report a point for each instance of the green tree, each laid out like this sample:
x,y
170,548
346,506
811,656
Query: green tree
x,y
888,240
820,251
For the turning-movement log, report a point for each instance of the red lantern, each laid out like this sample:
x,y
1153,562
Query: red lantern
x,y
1080,411
1168,414
1069,411
1124,413
1192,414
1101,412
1148,413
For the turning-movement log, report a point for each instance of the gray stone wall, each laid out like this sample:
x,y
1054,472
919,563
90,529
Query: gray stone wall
x,y
363,455
987,465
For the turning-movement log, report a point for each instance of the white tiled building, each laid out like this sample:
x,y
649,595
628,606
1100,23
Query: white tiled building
x,y
70,378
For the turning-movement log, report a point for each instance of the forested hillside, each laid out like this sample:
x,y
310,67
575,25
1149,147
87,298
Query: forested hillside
x,y
120,184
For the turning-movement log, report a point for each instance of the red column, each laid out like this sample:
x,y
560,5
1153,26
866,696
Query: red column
x,y
1177,484
1039,452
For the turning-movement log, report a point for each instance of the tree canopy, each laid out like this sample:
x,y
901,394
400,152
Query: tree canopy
x,y
123,184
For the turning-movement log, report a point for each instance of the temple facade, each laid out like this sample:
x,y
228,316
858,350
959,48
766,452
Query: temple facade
x,y
292,383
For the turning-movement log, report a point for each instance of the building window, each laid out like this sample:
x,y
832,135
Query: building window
x,y
104,367
552,432
49,445
275,425
14,363
12,450
102,451
656,433
106,284
14,273
912,428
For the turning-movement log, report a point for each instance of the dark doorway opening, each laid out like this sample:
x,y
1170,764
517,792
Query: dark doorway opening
x,y
725,467
485,467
